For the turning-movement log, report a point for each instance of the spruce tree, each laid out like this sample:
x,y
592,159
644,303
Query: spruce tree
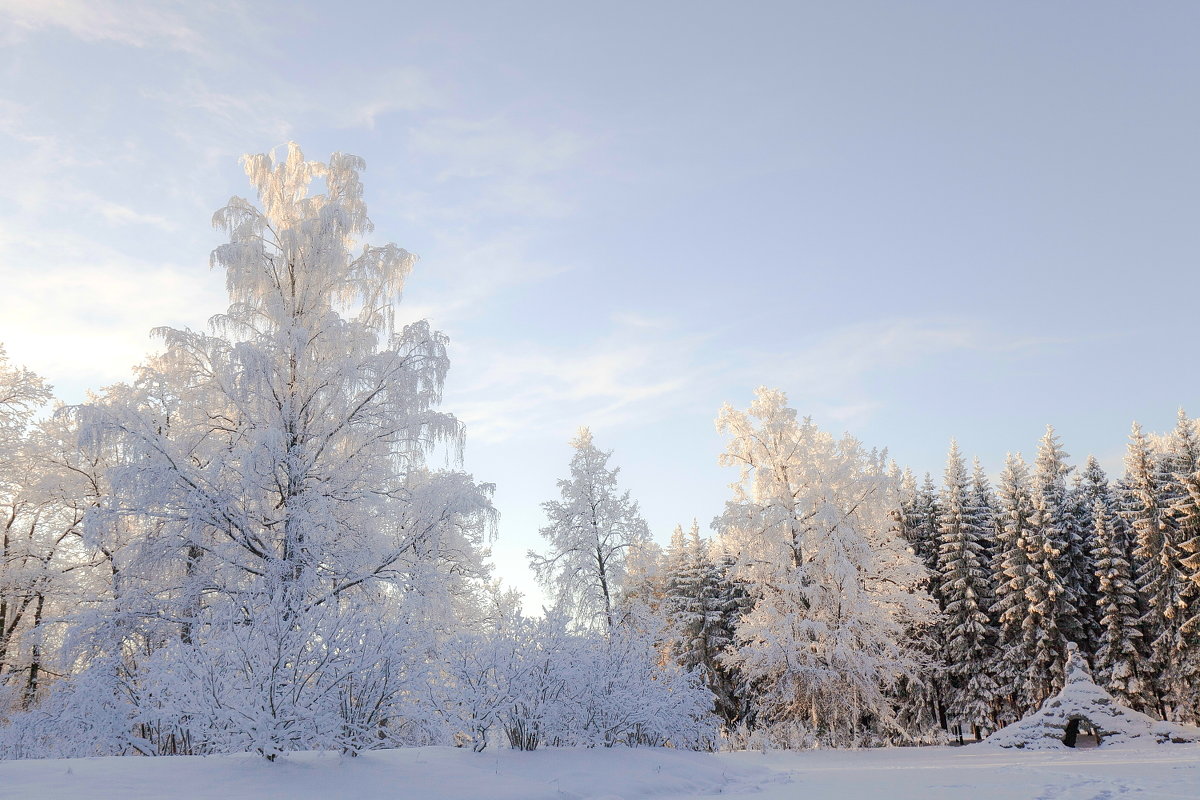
x,y
983,500
1053,589
1081,569
965,594
1120,650
917,696
1091,486
1011,568
1187,511
1064,562
923,530
1157,559
1094,485
1043,639
1183,460
704,603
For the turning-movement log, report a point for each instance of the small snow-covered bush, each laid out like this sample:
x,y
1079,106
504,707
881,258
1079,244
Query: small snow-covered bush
x,y
544,684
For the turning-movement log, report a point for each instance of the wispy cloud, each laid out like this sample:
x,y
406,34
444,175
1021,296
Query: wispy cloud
x,y
361,104
37,163
834,375
843,356
522,388
118,214
55,177
82,317
137,24
492,183
473,148
465,273
647,368
851,373
513,168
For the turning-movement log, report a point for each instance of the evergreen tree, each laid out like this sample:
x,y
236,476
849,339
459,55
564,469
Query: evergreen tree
x,y
1048,608
1158,565
983,500
1064,563
930,687
1012,569
925,523
965,592
1184,523
1082,569
704,603
1091,486
918,695
1120,656
1094,485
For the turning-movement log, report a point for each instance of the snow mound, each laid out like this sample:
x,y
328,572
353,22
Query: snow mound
x,y
1085,704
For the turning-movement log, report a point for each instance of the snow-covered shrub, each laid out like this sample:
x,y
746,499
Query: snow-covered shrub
x,y
632,695
542,683
538,681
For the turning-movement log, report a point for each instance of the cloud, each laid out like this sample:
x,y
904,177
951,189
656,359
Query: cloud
x,y
82,316
850,374
835,375
531,389
512,169
845,356
647,368
136,24
46,173
218,125
398,89
124,215
464,273
472,148
220,117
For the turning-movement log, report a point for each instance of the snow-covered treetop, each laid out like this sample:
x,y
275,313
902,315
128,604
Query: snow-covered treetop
x,y
294,256
1078,672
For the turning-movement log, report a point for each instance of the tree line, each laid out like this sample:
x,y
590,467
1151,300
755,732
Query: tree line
x,y
246,548
972,630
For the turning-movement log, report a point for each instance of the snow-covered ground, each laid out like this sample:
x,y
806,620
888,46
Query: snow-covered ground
x,y
439,773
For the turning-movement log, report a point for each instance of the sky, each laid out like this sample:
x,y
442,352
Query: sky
x,y
921,220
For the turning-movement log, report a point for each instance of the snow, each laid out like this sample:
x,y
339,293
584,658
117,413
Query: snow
x,y
446,773
1082,699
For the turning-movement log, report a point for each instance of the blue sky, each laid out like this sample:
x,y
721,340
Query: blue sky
x,y
921,220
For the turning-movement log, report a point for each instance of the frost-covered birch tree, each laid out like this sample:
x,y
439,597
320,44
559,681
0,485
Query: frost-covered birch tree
x,y
29,538
812,528
272,502
590,534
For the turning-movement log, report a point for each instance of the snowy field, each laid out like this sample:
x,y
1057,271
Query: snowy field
x,y
439,773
